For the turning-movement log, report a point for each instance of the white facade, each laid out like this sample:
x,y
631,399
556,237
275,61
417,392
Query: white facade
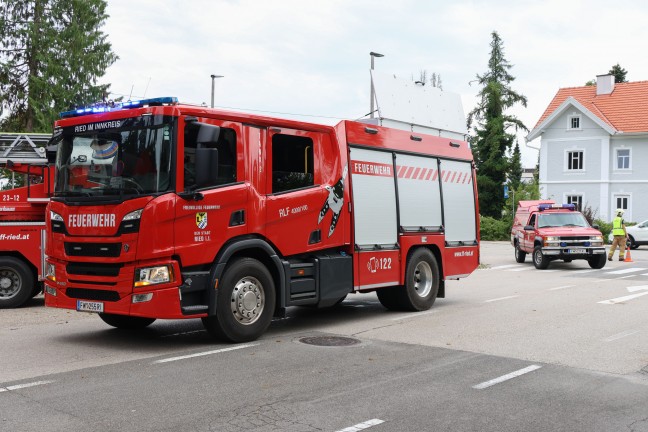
x,y
583,158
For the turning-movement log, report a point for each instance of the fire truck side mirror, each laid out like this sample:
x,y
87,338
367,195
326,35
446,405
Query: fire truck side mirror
x,y
206,167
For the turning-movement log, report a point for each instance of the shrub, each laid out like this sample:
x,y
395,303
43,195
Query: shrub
x,y
493,229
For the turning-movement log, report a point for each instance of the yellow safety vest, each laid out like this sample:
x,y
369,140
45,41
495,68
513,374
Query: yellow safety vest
x,y
617,226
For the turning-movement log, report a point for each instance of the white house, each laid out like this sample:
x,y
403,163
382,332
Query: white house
x,y
594,148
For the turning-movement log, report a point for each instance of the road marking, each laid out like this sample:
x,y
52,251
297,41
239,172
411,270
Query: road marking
x,y
206,353
505,266
628,270
643,288
520,269
413,315
362,426
621,335
501,298
561,287
22,386
625,277
506,377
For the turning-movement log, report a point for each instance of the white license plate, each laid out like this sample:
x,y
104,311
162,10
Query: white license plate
x,y
577,251
88,306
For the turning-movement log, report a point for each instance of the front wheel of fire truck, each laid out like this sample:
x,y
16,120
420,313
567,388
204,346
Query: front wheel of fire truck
x,y
597,262
540,261
16,282
126,322
520,255
245,302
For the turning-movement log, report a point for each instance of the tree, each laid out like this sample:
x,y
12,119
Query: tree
x,y
619,73
435,79
515,171
493,131
52,52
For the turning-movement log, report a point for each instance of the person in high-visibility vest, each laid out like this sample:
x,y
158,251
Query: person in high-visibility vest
x,y
620,236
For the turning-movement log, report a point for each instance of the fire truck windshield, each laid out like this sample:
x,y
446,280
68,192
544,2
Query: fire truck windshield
x,y
562,220
115,158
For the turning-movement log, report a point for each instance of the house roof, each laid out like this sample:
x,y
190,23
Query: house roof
x,y
624,110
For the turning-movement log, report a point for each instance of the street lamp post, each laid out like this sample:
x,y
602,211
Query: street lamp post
x,y
372,96
213,77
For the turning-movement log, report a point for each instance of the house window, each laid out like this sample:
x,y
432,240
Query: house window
x,y
575,160
574,122
622,202
576,200
623,159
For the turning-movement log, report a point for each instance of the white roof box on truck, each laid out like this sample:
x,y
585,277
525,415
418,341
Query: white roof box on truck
x,y
403,104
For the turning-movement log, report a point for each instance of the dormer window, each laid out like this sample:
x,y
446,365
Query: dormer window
x,y
574,122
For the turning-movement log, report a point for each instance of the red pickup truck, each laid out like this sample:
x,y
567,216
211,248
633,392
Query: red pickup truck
x,y
552,231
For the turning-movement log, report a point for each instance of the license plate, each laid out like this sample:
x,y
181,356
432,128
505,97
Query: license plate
x,y
576,251
88,306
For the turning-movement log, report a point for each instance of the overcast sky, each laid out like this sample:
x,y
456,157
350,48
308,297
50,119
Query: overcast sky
x,y
310,59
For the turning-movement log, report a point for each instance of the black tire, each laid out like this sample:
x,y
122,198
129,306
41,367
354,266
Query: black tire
x,y
245,302
16,282
126,322
520,255
567,260
540,261
631,243
388,297
421,282
597,262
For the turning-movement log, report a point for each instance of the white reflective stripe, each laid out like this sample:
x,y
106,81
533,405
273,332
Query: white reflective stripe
x,y
506,377
378,285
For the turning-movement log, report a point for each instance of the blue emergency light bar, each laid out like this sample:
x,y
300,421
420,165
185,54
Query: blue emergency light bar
x,y
101,107
543,207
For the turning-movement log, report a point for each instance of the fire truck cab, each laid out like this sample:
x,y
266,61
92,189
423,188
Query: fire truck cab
x,y
165,210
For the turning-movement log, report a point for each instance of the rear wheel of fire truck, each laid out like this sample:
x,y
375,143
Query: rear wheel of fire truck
x,y
16,282
540,261
245,303
421,281
126,322
597,262
519,254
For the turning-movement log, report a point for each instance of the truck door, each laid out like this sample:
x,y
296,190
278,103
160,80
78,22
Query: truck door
x,y
203,225
296,198
529,236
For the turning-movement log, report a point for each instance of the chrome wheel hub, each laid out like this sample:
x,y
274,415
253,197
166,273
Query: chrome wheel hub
x,y
423,279
248,300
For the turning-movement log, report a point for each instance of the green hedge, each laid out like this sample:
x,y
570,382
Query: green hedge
x,y
493,229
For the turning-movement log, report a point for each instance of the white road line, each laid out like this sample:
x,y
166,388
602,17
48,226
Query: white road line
x,y
362,426
22,386
501,298
520,269
625,277
413,315
504,266
561,287
620,335
623,299
627,270
237,347
506,377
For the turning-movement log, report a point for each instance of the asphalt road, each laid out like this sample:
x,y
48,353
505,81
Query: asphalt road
x,y
511,348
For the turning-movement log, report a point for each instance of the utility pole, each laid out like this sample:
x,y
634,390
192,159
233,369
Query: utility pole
x,y
371,104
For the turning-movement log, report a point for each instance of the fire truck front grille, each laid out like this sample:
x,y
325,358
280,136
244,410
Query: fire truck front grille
x,y
93,249
92,294
93,269
575,241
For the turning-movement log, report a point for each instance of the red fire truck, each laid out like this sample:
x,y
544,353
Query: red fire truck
x,y
165,210
22,217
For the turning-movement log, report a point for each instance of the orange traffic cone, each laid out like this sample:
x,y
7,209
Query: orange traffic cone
x,y
628,258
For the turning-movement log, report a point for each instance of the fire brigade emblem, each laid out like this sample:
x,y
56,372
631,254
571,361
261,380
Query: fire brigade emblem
x,y
334,202
201,220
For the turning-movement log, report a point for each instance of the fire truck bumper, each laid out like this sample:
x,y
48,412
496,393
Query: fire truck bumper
x,y
159,303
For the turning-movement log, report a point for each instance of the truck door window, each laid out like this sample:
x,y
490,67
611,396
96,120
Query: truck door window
x,y
532,220
292,162
226,145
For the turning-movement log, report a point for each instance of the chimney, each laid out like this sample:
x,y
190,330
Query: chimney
x,y
604,84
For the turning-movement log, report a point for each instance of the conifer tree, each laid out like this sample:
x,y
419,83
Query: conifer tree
x,y
494,129
515,170
52,53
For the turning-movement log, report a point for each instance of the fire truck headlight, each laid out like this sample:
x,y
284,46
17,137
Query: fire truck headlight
x,y
58,225
50,272
131,222
551,241
153,275
596,240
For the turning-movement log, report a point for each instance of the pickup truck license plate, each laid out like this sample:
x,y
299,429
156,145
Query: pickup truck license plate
x,y
577,251
88,306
